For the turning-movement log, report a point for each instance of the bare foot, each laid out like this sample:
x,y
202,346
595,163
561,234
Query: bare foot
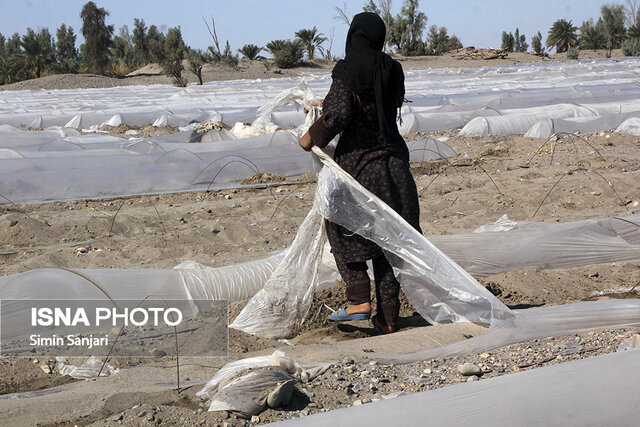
x,y
359,308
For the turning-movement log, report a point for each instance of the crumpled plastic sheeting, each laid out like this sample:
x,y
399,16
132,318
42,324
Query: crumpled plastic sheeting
x,y
438,288
534,323
89,369
599,391
249,394
270,119
508,245
243,386
278,309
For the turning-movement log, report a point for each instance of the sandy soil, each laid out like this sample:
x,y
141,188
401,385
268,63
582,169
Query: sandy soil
x,y
227,227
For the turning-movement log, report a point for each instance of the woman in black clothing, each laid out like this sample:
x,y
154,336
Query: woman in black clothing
x,y
361,106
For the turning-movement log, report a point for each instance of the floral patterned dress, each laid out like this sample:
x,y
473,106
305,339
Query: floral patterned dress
x,y
382,167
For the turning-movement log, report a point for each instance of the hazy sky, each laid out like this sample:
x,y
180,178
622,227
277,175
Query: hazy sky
x,y
476,22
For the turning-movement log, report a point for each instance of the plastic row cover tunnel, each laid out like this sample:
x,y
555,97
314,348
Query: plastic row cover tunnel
x,y
97,166
547,127
507,245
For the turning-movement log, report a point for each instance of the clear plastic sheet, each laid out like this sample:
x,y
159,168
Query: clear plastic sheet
x,y
439,289
279,308
599,391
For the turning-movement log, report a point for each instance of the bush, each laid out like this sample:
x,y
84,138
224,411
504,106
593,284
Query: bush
x,y
226,58
631,47
573,53
290,54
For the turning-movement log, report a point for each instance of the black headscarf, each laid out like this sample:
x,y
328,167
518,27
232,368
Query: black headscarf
x,y
372,74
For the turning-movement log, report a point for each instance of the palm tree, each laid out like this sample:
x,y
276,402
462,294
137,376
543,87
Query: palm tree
x,y
562,35
38,49
250,51
311,40
275,46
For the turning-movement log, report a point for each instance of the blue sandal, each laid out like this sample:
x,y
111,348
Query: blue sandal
x,y
342,315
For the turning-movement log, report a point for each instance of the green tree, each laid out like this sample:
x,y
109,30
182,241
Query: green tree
x,y
562,35
311,40
613,24
454,43
592,35
140,43
155,43
66,52
439,41
226,57
14,68
97,35
383,9
174,53
38,49
573,53
508,42
13,64
250,51
520,42
406,31
536,44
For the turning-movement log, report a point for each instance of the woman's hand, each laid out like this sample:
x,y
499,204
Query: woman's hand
x,y
305,142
